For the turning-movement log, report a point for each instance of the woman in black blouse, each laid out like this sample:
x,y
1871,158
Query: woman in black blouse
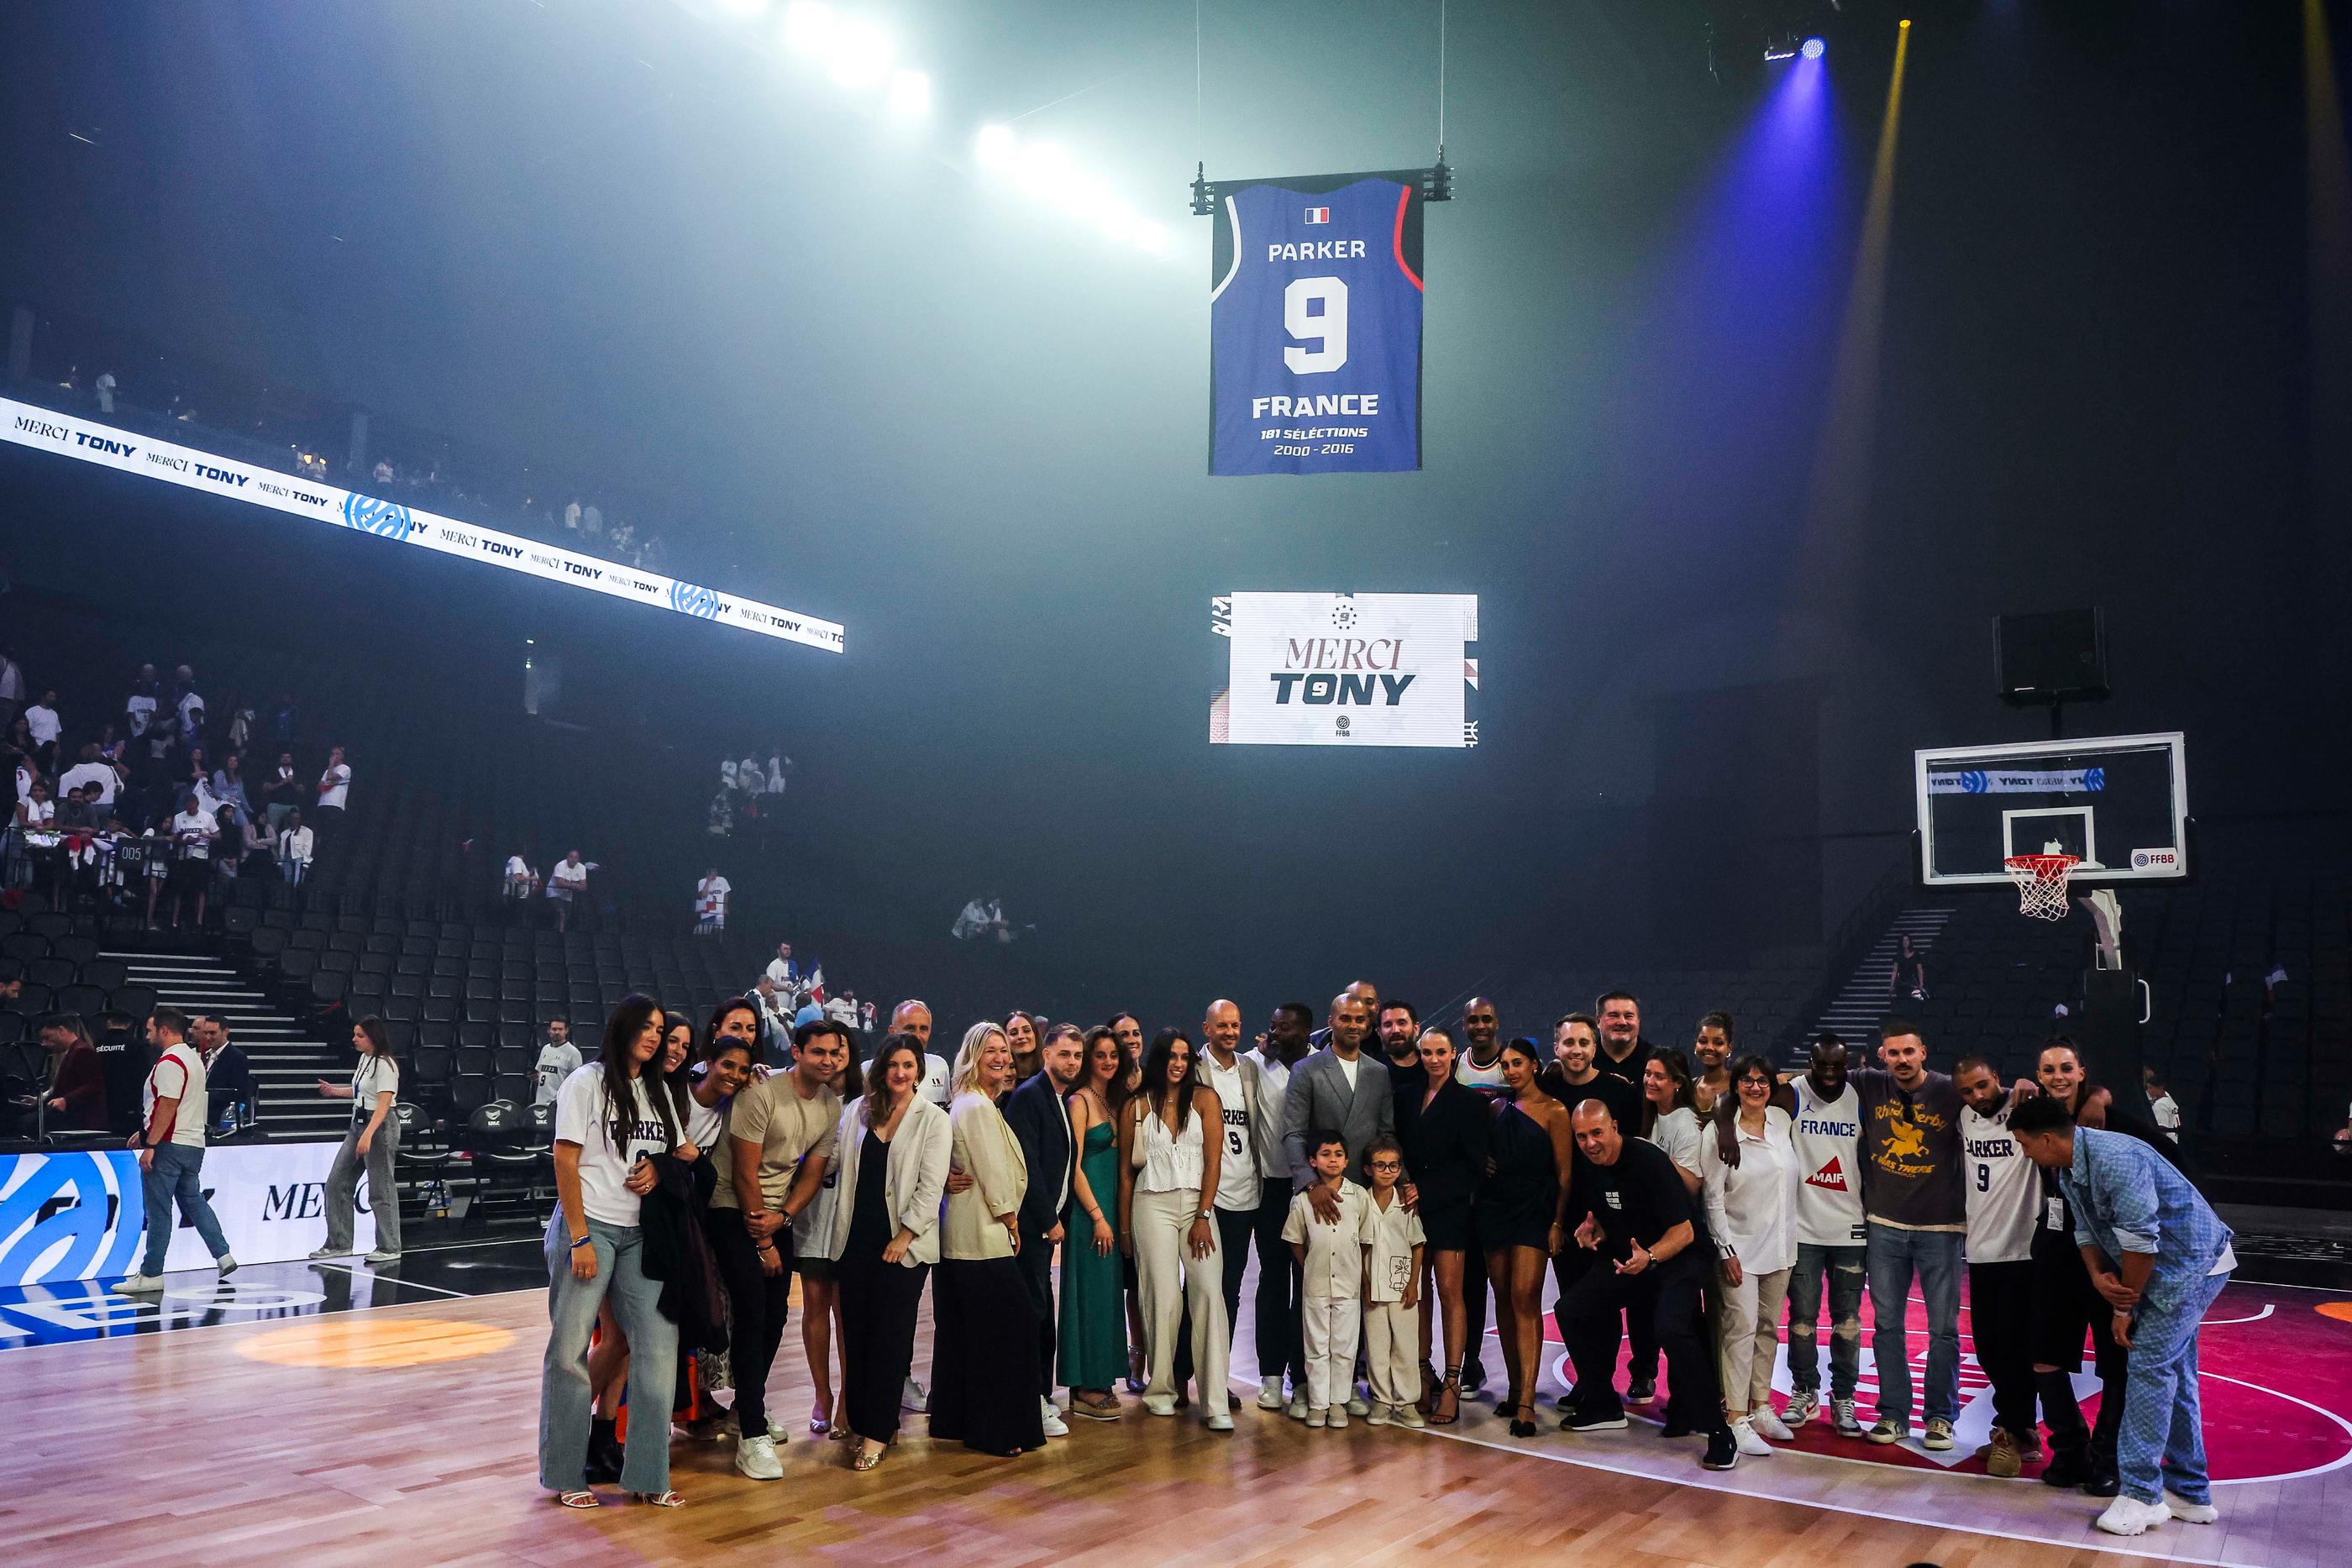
x,y
1444,1127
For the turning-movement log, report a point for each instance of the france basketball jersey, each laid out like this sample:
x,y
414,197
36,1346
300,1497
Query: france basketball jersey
x,y
1315,332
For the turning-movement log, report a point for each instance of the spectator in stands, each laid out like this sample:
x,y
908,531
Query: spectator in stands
x,y
785,972
198,778
710,903
41,719
334,794
73,1098
171,1145
285,722
295,845
94,773
161,858
139,708
228,844
241,725
260,859
230,1099
516,886
566,883
558,1059
720,820
229,786
608,1123
189,709
192,833
280,792
842,1010
1910,973
12,687
2161,1105
104,386
12,984
775,1020
983,920
35,822
373,1139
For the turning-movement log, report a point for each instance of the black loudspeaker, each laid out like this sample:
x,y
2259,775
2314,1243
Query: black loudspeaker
x,y
2057,656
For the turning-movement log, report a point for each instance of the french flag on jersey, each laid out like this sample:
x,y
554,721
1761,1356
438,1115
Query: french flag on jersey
x,y
1319,214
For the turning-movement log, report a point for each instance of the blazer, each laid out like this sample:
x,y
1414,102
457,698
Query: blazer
x,y
986,1150
1319,1096
918,1175
1445,1143
1040,1118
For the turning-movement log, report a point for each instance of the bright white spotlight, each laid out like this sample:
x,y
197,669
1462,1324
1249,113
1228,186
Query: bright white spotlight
x,y
808,26
1117,221
910,94
860,53
1152,236
1043,167
744,8
996,147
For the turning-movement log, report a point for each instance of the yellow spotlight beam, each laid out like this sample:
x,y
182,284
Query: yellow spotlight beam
x,y
1840,475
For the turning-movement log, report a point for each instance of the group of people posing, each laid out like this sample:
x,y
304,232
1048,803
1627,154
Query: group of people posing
x,y
1388,1180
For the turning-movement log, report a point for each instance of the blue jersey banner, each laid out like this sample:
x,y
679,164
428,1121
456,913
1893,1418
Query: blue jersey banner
x,y
1315,326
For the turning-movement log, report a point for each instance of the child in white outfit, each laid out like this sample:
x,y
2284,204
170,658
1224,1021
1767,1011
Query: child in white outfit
x,y
1331,1259
1393,1254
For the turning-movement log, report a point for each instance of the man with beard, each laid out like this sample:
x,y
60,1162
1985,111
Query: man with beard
x,y
1623,1052
2004,1198
1825,1129
1571,1079
1039,1116
1398,1026
1342,1089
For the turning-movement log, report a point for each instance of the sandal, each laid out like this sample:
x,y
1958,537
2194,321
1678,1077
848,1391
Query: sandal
x,y
867,1458
581,1499
1428,1400
1523,1424
819,1426
1446,1409
658,1499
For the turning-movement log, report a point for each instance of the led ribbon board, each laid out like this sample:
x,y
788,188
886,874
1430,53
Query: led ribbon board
x,y
130,452
1342,669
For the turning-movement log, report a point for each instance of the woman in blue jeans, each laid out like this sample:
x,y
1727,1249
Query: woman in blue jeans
x,y
607,1125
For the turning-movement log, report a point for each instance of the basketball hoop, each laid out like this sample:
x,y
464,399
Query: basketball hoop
x,y
2041,883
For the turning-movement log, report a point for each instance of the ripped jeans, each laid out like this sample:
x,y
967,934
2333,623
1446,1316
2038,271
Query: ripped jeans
x,y
1843,1266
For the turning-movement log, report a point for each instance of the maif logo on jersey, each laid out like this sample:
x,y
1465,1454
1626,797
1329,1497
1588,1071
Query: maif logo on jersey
x,y
1315,326
1831,1177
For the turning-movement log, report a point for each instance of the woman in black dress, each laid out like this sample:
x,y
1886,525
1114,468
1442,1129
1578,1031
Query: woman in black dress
x,y
1519,1210
1445,1126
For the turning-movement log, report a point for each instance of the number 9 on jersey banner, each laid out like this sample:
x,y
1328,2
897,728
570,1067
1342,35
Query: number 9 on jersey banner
x,y
1315,326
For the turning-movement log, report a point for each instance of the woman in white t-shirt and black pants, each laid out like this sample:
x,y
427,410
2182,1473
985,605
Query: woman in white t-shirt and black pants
x,y
609,1121
374,1138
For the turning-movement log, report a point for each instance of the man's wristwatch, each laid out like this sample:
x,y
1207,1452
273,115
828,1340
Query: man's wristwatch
x,y
1206,1213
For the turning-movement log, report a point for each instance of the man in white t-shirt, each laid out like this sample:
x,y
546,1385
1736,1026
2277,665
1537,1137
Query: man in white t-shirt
x,y
567,881
785,972
171,1145
558,1058
42,720
2161,1106
2003,1190
1825,1129
334,794
191,710
710,903
92,772
1252,1199
139,712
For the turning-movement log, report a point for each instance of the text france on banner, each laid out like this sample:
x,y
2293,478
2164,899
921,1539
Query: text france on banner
x,y
1315,326
37,427
1336,669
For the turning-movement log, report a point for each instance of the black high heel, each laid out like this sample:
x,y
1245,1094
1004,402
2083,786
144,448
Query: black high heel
x,y
1523,1424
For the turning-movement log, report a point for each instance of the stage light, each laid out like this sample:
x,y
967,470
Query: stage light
x,y
910,94
860,52
996,149
1043,167
1814,48
1151,236
808,26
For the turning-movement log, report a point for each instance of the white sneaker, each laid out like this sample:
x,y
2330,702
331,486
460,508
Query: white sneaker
x,y
1358,1406
1743,1433
1269,1394
756,1458
381,1256
1770,1428
1802,1407
915,1397
1339,1417
140,1285
1406,1416
330,1252
2188,1512
225,1264
2129,1516
1050,1419
1377,1417
1940,1434
1321,1417
1159,1404
1841,1417
1220,1422
1297,1409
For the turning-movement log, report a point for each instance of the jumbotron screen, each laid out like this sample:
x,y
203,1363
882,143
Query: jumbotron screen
x,y
1347,669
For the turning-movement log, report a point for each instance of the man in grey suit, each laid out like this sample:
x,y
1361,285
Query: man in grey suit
x,y
1342,1088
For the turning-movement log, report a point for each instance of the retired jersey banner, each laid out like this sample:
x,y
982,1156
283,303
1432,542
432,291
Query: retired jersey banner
x,y
194,469
1315,326
1347,669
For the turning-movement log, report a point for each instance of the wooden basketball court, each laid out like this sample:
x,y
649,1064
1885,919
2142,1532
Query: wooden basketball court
x,y
406,1435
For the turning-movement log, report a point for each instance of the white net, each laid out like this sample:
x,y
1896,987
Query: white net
x,y
2041,883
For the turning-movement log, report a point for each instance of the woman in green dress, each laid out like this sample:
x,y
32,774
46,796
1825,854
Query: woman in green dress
x,y
1094,1323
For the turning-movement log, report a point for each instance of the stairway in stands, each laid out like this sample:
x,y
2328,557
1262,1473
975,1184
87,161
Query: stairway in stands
x,y
288,1059
1867,995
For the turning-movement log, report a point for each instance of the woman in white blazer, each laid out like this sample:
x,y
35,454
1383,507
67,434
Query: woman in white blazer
x,y
894,1150
984,1374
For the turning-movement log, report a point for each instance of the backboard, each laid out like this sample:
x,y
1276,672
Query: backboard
x,y
2120,802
